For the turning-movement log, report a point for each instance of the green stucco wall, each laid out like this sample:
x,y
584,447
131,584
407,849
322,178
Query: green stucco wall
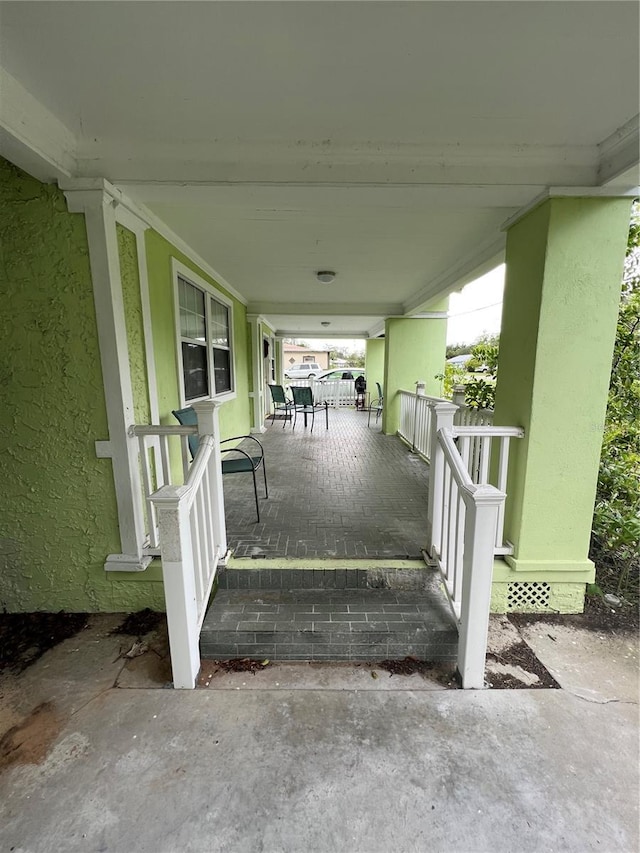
x,y
414,351
59,516
235,417
564,266
130,278
374,365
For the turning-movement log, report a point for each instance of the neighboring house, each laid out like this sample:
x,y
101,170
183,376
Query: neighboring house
x,y
293,354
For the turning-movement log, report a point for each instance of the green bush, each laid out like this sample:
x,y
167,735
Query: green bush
x,y
615,544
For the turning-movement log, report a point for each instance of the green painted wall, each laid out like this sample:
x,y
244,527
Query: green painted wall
x,y
564,266
59,516
129,276
374,365
414,351
235,416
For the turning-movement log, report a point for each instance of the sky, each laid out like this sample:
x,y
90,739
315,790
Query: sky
x,y
476,310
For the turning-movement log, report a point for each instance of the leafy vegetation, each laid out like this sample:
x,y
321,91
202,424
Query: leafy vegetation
x,y
615,542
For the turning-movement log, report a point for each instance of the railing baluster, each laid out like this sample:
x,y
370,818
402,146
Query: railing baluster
x,y
485,452
165,466
503,467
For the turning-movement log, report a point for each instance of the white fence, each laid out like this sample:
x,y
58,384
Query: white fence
x,y
336,392
186,523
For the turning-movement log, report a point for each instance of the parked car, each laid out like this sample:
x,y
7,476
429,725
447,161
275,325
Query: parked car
x,y
347,373
307,370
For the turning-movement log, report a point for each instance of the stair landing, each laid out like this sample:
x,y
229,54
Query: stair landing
x,y
329,615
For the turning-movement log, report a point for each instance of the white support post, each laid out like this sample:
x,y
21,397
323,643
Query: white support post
x,y
179,585
279,361
257,392
98,207
458,395
441,415
207,414
480,530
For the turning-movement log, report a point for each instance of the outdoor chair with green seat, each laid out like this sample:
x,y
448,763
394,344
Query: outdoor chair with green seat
x,y
304,402
376,405
244,461
281,403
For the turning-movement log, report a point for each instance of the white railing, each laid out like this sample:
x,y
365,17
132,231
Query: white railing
x,y
466,415
337,392
463,549
483,447
485,454
188,526
416,421
154,449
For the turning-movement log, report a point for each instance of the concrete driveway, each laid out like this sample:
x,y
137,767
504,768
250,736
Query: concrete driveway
x,y
100,756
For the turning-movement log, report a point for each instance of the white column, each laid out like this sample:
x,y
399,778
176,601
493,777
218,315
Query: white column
x,y
207,414
98,207
257,393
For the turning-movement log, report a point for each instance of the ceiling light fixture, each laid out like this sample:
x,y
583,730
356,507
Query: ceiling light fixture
x,y
325,276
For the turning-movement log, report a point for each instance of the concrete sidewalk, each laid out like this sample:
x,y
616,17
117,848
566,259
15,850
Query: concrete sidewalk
x,y
320,758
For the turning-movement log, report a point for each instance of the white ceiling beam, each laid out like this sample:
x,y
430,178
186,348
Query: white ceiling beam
x,y
619,155
306,163
31,137
315,333
324,309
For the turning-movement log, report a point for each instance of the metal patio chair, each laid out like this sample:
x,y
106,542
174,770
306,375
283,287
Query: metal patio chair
x,y
281,403
304,403
376,405
242,462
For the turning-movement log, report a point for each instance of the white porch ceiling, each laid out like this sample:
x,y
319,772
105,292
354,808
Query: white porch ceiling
x,y
385,140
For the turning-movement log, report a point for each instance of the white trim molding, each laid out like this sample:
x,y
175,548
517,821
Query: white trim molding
x,y
185,272
569,192
31,136
140,211
98,209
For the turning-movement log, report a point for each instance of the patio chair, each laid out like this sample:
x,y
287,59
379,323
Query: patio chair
x,y
303,402
242,462
376,405
281,403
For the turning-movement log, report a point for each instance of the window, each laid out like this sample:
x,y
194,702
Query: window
x,y
205,341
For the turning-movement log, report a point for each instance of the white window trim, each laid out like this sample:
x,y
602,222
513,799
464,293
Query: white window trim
x,y
179,269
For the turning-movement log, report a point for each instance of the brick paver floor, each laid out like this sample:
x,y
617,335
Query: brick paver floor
x,y
348,491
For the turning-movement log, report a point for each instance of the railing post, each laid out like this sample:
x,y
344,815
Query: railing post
x,y
479,540
459,398
441,415
179,584
207,414
420,386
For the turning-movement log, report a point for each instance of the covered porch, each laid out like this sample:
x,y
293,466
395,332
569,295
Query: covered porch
x,y
160,250
346,492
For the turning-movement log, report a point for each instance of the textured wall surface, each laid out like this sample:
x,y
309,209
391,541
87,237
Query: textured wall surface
x,y
128,255
414,351
58,519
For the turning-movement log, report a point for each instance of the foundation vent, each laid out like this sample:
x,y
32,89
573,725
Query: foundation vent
x,y
526,597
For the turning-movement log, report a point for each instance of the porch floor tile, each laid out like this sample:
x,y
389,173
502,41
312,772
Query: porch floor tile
x,y
348,491
328,624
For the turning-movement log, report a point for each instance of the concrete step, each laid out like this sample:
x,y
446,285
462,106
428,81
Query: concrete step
x,y
366,618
